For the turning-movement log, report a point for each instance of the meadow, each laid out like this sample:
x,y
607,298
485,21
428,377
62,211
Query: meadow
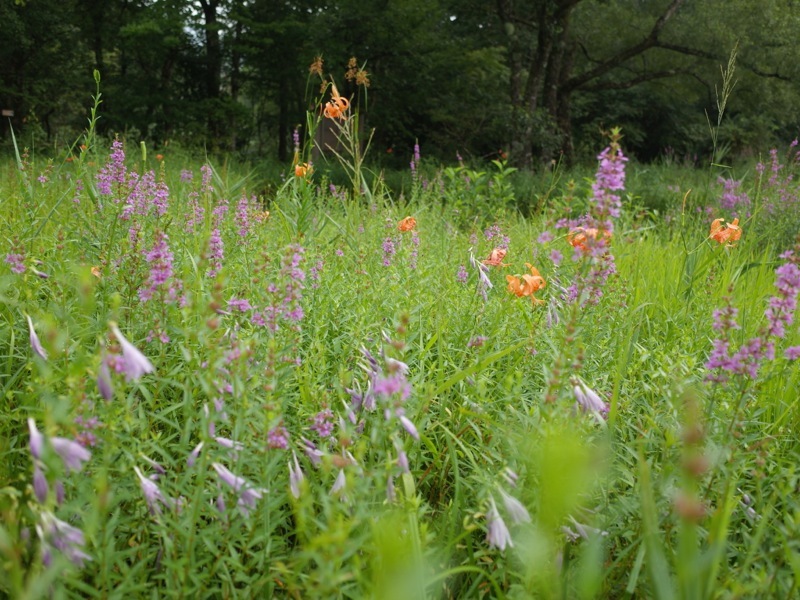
x,y
339,390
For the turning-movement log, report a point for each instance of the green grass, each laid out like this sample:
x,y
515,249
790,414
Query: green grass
x,y
672,444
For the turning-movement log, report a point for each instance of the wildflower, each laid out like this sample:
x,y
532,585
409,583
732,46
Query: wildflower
x,y
409,427
792,353
407,224
278,438
16,261
496,257
323,423
340,482
497,535
515,508
152,493
36,345
72,453
579,237
40,486
134,363
160,260
296,477
587,399
303,170
462,274
37,439
528,285
482,272
62,536
104,381
248,495
193,456
725,234
337,106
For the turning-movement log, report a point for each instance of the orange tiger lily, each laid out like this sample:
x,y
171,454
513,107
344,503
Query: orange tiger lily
x,y
303,169
527,285
579,236
725,234
337,106
496,257
407,224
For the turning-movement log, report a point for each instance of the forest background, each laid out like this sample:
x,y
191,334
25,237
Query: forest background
x,y
533,80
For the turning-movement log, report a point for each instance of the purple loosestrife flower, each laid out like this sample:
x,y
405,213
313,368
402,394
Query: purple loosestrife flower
x,y
792,352
323,423
248,495
62,536
243,211
160,260
388,251
152,493
495,235
278,438
36,345
134,363
216,252
497,535
114,170
17,262
462,275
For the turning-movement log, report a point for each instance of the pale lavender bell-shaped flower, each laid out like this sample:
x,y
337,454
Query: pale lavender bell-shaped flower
x,y
135,363
62,536
296,476
40,486
409,427
72,453
152,493
104,385
36,345
497,535
37,439
248,495
515,508
587,399
339,484
193,456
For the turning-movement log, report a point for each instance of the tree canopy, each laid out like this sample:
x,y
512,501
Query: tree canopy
x,y
533,78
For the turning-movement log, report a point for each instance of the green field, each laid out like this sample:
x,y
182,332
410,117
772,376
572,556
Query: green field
x,y
218,384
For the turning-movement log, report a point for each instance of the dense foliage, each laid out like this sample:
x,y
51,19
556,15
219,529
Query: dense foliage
x,y
478,77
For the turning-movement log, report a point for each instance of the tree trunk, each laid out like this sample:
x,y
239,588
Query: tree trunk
x,y
213,64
